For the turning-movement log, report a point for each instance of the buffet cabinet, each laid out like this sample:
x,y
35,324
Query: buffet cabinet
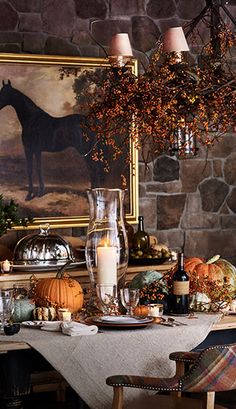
x,y
22,278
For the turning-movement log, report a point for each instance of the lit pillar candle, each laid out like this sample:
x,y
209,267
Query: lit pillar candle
x,y
106,265
64,314
6,266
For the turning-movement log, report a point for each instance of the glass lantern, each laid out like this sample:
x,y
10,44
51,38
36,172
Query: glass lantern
x,y
106,249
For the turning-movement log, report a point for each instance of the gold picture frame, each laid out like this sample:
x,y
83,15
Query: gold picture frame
x,y
45,85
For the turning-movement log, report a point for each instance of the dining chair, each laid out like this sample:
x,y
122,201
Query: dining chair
x,y
212,370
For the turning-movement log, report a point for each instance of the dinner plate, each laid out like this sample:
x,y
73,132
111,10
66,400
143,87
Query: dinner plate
x,y
123,319
33,324
49,267
120,324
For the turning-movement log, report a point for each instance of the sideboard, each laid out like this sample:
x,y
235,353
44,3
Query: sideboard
x,y
81,274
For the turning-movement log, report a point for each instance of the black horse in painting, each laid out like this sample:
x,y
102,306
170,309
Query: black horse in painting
x,y
42,132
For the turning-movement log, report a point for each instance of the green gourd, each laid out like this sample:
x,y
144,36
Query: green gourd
x,y
23,310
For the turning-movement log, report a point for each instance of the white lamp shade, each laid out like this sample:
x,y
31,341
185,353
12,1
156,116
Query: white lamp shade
x,y
174,40
120,45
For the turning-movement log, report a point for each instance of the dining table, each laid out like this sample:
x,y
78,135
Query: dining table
x,y
85,361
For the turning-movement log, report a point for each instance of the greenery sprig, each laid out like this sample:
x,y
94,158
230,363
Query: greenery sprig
x,y
9,216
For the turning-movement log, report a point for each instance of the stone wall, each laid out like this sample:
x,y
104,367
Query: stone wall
x,y
190,202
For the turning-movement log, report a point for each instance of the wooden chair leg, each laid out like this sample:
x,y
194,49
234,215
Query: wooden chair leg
x,y
61,392
117,397
180,371
180,368
209,400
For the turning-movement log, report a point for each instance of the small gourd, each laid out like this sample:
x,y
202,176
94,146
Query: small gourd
x,y
44,314
141,310
23,309
160,247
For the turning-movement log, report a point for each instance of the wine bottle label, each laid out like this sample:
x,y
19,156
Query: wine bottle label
x,y
180,287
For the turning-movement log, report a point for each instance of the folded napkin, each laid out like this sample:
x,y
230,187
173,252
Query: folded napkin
x,y
51,325
76,328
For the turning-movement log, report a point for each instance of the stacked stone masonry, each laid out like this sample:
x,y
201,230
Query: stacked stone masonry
x,y
190,202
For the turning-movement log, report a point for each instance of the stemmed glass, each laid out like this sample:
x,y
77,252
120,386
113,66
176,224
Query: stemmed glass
x,y
107,294
6,307
129,298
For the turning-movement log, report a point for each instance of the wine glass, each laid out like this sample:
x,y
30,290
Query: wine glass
x,y
107,294
129,299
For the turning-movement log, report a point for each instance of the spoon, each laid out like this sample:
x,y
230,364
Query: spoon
x,y
167,323
174,322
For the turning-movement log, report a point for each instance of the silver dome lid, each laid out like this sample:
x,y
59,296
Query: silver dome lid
x,y
43,249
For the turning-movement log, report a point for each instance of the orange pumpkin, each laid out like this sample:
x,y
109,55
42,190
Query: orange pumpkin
x,y
141,310
191,262
62,291
203,269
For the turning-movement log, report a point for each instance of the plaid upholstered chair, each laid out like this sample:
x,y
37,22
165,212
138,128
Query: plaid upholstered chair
x,y
212,370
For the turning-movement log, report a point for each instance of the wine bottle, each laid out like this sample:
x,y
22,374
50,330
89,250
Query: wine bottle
x,y
180,299
141,238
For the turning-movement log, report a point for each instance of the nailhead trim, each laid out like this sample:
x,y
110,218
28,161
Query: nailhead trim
x,y
179,388
129,385
219,347
188,361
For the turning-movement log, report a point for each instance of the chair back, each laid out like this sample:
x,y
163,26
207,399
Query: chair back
x,y
214,371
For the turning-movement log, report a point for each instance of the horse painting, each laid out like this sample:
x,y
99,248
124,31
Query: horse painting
x,y
42,132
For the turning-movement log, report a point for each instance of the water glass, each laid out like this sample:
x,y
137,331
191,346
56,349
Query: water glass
x,y
129,298
107,294
6,307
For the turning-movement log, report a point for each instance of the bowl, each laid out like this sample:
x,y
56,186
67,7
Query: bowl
x,y
11,329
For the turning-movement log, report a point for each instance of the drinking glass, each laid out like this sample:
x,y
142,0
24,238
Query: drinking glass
x,y
6,307
129,298
107,294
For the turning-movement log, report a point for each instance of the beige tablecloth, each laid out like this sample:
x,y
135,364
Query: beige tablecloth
x,y
86,361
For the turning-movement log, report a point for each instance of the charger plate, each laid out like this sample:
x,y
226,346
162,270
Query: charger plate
x,y
120,322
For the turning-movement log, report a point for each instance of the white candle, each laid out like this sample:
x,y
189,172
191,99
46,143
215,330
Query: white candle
x,y
155,310
64,314
6,266
106,265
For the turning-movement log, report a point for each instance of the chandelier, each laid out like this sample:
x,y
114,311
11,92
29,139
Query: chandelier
x,y
180,101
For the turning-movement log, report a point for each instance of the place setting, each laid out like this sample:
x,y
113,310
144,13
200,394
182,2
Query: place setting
x,y
113,302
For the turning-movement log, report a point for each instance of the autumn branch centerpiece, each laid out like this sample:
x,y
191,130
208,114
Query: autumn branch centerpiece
x,y
212,283
192,96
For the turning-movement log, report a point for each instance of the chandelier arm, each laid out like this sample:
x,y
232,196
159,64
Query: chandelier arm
x,y
210,6
228,13
99,44
195,22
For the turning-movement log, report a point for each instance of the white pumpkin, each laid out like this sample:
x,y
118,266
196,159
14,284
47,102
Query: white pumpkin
x,y
200,302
